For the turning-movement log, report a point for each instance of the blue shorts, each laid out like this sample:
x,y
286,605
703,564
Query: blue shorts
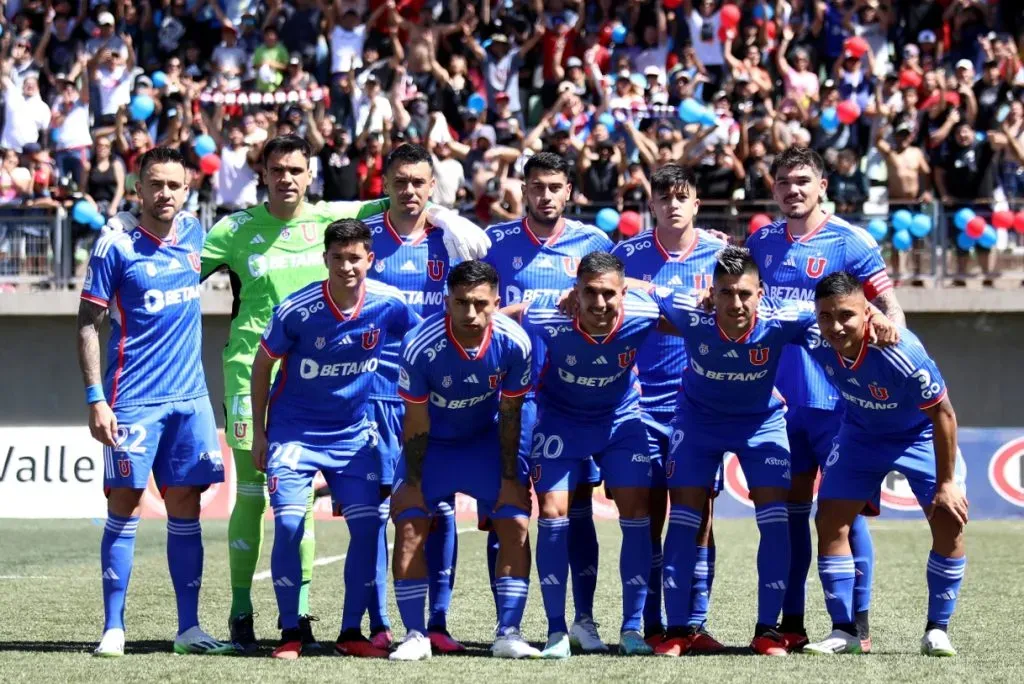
x,y
659,436
699,443
592,475
350,468
471,467
387,416
811,432
176,441
858,464
563,449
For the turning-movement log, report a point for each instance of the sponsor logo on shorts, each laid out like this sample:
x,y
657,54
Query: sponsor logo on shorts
x,y
775,461
640,458
670,467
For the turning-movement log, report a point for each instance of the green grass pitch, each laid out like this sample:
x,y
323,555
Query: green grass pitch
x,y
51,614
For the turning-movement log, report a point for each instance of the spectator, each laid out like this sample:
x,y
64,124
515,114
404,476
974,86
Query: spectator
x,y
107,38
105,179
370,169
236,180
502,63
600,168
27,118
229,60
113,78
847,184
372,109
70,121
703,23
269,61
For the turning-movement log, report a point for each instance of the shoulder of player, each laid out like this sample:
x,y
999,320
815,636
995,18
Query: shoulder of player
x,y
511,331
228,226
906,356
503,227
857,235
632,246
639,304
189,228
300,299
544,309
375,289
766,232
431,330
710,241
775,309
113,241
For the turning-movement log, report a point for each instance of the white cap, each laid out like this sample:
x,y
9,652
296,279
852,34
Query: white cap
x,y
105,19
965,64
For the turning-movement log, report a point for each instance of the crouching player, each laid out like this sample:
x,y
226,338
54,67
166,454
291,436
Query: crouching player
x,y
898,417
329,336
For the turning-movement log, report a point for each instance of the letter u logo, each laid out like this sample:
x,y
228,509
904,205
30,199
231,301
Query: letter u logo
x,y
816,266
759,356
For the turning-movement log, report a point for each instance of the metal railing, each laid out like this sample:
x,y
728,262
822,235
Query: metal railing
x,y
33,244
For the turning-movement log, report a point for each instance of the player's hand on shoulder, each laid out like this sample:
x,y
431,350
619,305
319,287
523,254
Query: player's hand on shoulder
x,y
462,238
121,222
514,493
950,497
103,423
882,331
569,303
704,300
259,450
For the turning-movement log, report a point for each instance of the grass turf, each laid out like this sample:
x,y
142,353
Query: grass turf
x,y
52,614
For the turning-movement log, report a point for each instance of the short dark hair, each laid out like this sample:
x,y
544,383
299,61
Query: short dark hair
x,y
793,157
160,155
548,162
472,273
836,284
735,261
409,153
597,263
673,175
346,231
285,144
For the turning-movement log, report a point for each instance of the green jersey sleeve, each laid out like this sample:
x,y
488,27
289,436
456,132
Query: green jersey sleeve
x,y
334,211
217,248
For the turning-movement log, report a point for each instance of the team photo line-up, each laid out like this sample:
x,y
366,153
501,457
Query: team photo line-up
x,y
408,355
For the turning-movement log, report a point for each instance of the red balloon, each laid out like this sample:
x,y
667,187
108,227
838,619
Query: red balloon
x,y
605,35
758,221
975,227
210,164
725,33
1018,222
848,111
629,223
856,46
910,79
1002,219
671,4
730,16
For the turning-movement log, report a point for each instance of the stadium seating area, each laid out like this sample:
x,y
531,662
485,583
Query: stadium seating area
x,y
916,105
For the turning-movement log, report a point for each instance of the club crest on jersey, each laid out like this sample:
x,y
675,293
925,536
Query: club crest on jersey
x,y
435,269
370,338
286,234
759,356
830,370
570,360
446,381
195,261
535,474
815,266
879,393
570,265
241,429
493,380
320,343
626,358
703,349
517,262
309,232
124,466
378,266
272,484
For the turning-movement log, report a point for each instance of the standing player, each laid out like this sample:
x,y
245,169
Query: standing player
x,y
678,256
898,417
459,369
534,256
792,256
270,251
152,411
330,336
728,402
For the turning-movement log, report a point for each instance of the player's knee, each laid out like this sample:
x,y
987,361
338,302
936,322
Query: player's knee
x,y
514,531
183,502
801,489
830,524
947,533
124,501
632,502
290,527
551,506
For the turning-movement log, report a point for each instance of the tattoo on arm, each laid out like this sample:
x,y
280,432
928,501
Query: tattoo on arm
x,y
90,317
888,304
510,424
415,450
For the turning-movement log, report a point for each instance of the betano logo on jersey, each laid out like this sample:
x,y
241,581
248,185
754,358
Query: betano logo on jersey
x,y
590,381
440,402
310,369
803,294
873,405
157,300
261,264
513,295
420,298
727,375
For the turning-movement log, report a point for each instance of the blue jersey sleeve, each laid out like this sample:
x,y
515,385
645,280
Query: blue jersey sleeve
x,y
401,319
412,378
518,377
277,338
679,308
864,261
796,318
926,386
103,274
540,311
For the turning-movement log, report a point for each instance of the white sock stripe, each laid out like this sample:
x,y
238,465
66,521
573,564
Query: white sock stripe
x,y
685,523
510,591
123,530
771,512
577,513
553,522
359,508
634,522
772,519
799,507
361,516
185,531
290,514
410,594
951,573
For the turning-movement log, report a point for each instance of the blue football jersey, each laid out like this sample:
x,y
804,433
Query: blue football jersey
x,y
586,378
463,386
662,358
529,266
329,359
151,287
884,388
726,377
416,268
791,268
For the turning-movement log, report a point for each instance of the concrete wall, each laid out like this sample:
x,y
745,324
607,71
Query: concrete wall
x,y
981,356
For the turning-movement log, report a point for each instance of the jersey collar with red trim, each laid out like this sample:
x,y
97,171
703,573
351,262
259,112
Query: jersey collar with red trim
x,y
742,339
682,255
390,229
548,241
861,354
338,313
463,354
607,338
809,234
171,239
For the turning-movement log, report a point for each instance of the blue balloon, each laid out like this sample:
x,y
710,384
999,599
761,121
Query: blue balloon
x,y
829,120
921,225
762,12
97,221
608,120
964,242
608,219
159,79
878,229
204,145
690,110
988,238
901,240
619,34
963,217
84,212
141,108
476,103
707,118
902,220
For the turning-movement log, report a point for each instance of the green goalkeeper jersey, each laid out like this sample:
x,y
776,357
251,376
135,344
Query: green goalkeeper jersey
x,y
268,259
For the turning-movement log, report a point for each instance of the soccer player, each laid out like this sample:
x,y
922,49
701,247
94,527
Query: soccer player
x,y
792,256
538,255
728,402
678,256
410,255
151,410
270,251
898,417
329,336
460,368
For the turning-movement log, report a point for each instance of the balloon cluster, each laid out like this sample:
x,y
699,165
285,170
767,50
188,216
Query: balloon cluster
x,y
627,223
975,231
905,227
691,111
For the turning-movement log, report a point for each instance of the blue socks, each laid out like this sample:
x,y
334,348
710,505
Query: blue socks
x,y
286,561
378,606
653,618
553,569
944,578
700,591
583,556
511,593
442,553
837,575
361,565
411,596
117,551
864,563
634,569
185,560
799,558
772,561
680,562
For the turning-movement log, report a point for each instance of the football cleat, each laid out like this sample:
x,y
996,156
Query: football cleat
x,y
795,641
674,643
243,636
936,643
194,641
631,643
352,643
770,643
835,643
701,642
509,643
584,636
557,647
442,641
309,641
291,645
111,644
382,639
414,646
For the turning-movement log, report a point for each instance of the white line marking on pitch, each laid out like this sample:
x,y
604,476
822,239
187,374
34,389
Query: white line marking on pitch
x,y
24,577
327,560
